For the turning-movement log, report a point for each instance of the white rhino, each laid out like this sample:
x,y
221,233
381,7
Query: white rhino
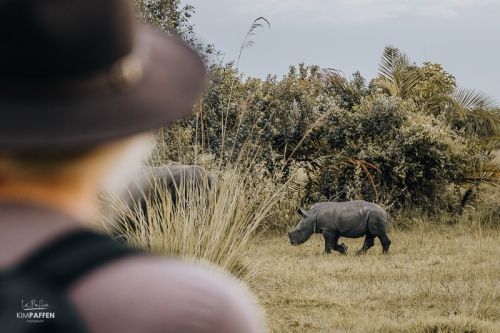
x,y
352,219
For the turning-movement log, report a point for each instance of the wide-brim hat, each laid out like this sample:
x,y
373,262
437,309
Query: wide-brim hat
x,y
77,73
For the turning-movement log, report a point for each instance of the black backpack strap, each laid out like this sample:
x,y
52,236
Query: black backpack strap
x,y
45,276
72,256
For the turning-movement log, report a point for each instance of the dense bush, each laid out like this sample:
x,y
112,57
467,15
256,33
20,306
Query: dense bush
x,y
416,154
265,119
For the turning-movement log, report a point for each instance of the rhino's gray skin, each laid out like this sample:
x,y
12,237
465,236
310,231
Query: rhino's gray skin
x,y
352,219
148,182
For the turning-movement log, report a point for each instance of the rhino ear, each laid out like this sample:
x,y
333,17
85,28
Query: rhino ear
x,y
301,212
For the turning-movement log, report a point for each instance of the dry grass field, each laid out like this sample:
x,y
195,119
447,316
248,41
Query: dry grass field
x,y
435,279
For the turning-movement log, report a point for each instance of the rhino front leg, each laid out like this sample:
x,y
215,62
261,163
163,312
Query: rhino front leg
x,y
386,242
369,242
329,240
332,242
342,248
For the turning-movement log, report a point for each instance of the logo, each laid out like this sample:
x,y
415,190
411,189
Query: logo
x,y
35,312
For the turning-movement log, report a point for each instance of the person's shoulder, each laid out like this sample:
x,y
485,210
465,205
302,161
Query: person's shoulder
x,y
151,294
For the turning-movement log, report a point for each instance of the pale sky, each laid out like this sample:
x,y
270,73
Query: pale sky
x,y
349,35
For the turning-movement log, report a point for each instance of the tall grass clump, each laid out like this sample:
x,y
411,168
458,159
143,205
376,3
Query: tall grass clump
x,y
213,228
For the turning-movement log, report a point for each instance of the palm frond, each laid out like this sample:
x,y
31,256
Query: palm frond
x,y
482,130
487,173
472,99
397,77
389,63
411,77
387,86
463,103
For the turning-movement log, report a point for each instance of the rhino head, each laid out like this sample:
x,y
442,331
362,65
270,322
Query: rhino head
x,y
304,229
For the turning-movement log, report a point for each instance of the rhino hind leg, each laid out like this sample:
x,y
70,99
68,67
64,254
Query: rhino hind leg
x,y
369,242
386,242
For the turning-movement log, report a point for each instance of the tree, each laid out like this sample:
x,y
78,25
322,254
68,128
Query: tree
x,y
170,17
432,89
432,80
469,113
397,75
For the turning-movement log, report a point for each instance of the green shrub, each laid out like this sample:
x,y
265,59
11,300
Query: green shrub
x,y
262,118
416,154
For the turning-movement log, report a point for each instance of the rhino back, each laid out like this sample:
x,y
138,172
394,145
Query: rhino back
x,y
352,219
174,171
167,178
141,184
197,174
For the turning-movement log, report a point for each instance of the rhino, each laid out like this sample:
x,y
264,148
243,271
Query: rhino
x,y
147,183
352,219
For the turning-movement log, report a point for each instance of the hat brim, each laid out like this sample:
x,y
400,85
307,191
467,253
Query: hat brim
x,y
173,78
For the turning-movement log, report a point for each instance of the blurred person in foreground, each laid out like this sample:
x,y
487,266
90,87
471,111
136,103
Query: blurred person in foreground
x,y
81,82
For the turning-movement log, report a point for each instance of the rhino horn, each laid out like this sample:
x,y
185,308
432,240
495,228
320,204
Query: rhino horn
x,y
301,212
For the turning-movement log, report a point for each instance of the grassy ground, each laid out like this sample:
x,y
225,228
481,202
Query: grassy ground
x,y
435,279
